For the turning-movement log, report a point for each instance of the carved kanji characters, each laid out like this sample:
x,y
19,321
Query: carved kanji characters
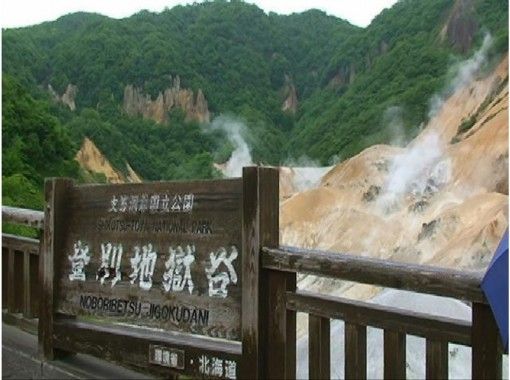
x,y
178,273
143,264
187,203
143,203
176,203
114,202
154,203
111,256
123,203
164,204
133,203
79,260
220,279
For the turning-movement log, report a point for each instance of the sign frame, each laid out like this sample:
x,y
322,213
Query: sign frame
x,y
61,334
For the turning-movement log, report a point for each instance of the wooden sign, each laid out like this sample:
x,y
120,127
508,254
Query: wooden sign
x,y
160,255
163,277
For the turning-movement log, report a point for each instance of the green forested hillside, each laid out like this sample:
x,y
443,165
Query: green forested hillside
x,y
242,59
34,145
399,60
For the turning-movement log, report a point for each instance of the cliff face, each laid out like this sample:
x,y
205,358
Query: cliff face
x,y
93,161
138,103
344,76
67,98
290,94
461,26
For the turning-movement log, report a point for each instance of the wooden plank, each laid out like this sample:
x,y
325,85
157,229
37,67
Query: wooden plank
x,y
281,337
11,282
486,344
380,316
394,355
27,217
260,227
5,275
56,191
355,351
27,311
35,287
318,347
165,255
125,345
436,363
19,282
15,286
420,278
20,243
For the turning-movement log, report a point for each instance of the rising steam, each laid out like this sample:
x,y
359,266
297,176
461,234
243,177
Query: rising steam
x,y
241,156
423,167
465,71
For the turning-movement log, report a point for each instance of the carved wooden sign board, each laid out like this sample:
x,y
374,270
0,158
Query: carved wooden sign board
x,y
163,256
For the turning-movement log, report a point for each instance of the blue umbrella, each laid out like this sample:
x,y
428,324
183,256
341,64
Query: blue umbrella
x,y
495,287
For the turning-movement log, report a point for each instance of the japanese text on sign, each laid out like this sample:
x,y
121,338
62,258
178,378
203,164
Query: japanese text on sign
x,y
220,271
154,203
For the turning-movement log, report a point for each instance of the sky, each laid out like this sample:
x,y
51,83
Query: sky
x,y
16,13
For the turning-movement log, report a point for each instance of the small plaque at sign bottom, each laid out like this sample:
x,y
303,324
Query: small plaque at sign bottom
x,y
166,356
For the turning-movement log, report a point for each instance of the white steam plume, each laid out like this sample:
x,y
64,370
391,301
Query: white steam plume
x,y
241,156
307,173
423,168
465,71
409,167
393,119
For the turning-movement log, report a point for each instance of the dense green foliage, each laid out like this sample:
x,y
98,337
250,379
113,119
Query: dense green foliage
x,y
346,79
34,146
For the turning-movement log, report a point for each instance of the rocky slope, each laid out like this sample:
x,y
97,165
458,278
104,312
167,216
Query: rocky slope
x,y
441,200
92,161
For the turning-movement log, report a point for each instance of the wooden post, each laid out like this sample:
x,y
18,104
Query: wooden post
x,y
56,191
436,362
27,311
260,228
355,351
5,275
486,348
281,327
11,282
34,285
319,362
394,355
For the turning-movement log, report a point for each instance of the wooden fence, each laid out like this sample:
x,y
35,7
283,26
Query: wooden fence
x,y
482,334
270,300
20,273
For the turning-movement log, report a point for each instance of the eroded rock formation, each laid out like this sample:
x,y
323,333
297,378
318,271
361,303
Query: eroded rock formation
x,y
67,98
344,76
136,102
290,103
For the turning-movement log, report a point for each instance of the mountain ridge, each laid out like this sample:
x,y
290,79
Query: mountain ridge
x,y
304,84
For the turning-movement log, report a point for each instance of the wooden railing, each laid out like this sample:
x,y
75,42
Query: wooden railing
x,y
20,269
269,347
481,334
